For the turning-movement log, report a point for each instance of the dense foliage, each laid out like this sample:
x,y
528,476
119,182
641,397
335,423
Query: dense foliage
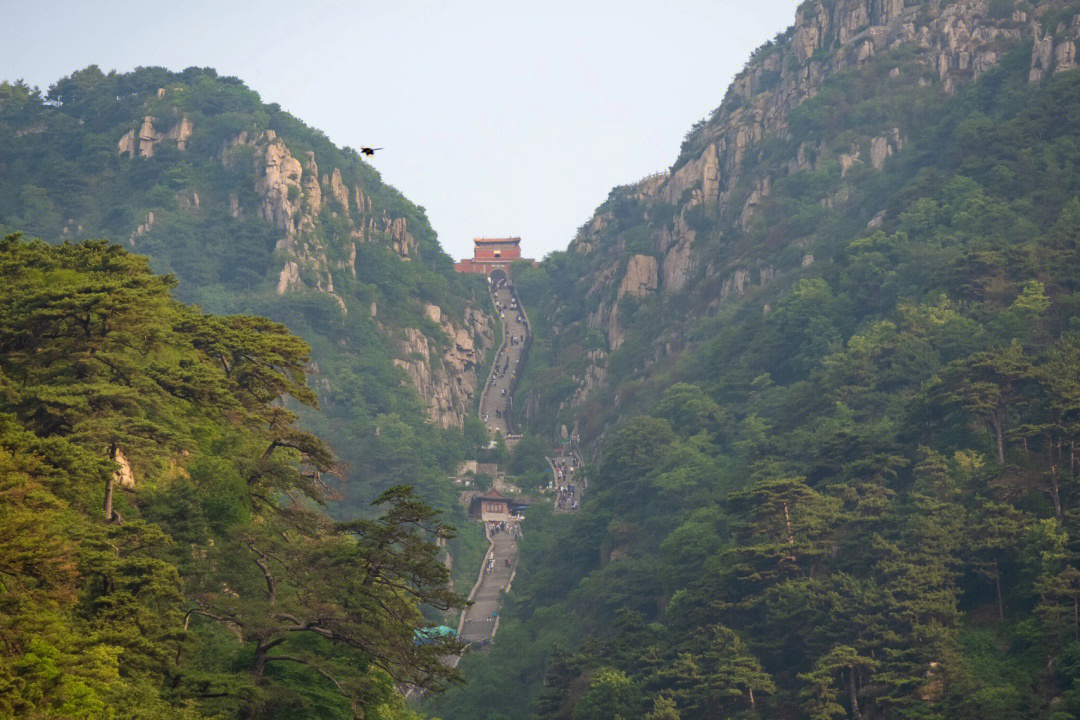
x,y
848,488
62,178
162,549
853,491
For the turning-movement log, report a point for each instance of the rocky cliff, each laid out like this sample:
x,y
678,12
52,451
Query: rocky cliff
x,y
291,195
445,371
690,238
249,209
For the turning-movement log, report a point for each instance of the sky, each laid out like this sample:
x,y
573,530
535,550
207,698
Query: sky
x,y
499,118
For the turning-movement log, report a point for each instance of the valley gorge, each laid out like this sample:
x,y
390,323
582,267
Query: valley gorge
x,y
823,373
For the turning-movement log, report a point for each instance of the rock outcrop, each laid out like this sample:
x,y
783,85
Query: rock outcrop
x,y
446,377
293,196
141,143
123,476
719,181
141,229
640,278
279,187
957,43
338,191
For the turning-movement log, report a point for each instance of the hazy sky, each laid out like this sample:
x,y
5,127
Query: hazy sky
x,y
500,118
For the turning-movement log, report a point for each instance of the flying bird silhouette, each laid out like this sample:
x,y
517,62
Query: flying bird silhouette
x,y
368,151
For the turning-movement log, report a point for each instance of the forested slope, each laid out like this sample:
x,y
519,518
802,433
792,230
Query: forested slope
x,y
217,555
255,212
829,372
163,553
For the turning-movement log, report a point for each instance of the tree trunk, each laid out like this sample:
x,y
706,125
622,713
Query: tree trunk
x,y
109,485
997,583
750,690
787,524
109,499
790,534
258,663
854,700
1055,492
1000,438
258,667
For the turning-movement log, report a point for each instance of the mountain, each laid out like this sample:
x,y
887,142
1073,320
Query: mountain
x,y
165,548
255,212
802,138
245,210
826,370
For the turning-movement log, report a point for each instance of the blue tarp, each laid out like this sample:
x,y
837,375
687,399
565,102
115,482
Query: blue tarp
x,y
428,635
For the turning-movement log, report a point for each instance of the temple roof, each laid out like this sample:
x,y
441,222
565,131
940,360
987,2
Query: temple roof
x,y
501,241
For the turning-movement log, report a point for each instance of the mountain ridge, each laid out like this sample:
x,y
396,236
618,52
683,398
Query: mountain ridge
x,y
830,416
317,221
721,182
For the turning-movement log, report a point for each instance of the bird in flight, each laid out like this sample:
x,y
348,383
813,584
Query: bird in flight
x,y
368,151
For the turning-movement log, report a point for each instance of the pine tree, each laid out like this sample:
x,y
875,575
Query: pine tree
x,y
837,677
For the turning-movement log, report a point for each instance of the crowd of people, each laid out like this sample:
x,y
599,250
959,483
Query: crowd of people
x,y
501,526
496,411
566,489
495,528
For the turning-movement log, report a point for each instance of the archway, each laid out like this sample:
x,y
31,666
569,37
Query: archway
x,y
498,274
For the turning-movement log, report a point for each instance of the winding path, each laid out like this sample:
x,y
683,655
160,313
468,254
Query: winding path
x,y
569,482
480,621
497,395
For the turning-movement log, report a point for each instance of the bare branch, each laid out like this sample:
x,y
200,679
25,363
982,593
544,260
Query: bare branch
x,y
212,616
271,583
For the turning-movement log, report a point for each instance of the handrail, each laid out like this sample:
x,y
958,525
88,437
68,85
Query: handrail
x,y
479,580
516,376
526,344
490,375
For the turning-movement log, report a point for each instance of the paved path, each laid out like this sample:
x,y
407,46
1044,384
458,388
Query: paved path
x,y
569,484
478,622
495,402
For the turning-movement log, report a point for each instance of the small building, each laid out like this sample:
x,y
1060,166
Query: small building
x,y
491,254
493,506
435,635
